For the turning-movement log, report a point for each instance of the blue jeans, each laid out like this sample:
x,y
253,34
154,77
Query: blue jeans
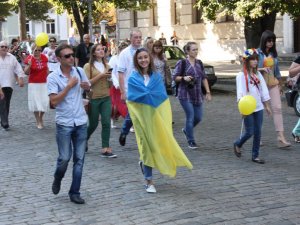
x,y
147,172
68,139
193,115
253,124
127,124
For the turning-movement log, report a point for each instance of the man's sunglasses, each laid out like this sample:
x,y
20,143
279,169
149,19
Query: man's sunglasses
x,y
37,50
52,41
3,46
68,55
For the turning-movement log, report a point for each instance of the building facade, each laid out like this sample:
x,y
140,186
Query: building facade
x,y
58,26
221,40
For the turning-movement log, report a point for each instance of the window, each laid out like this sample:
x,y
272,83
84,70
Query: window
x,y
154,13
196,13
27,26
50,26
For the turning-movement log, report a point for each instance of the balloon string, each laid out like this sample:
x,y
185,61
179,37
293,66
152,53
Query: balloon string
x,y
242,128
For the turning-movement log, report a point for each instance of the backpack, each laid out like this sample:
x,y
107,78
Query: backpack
x,y
175,85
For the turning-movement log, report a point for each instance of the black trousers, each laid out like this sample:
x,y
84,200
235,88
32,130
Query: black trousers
x,y
5,105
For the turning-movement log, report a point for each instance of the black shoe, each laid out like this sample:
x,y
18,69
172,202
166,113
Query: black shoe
x,y
108,155
77,199
237,151
5,127
56,186
122,139
192,145
257,160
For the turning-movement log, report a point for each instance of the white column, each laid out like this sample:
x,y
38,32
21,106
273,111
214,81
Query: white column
x,y
288,34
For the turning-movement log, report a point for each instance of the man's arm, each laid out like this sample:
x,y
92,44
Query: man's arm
x,y
1,93
20,73
55,99
122,85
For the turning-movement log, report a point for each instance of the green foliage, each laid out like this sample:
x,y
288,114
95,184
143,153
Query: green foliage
x,y
248,8
35,9
5,8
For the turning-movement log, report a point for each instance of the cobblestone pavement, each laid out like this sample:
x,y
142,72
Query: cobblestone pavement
x,y
221,189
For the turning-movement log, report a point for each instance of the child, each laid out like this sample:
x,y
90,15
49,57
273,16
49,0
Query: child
x,y
251,82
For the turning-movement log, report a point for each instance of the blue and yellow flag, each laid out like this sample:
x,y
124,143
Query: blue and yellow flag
x,y
150,111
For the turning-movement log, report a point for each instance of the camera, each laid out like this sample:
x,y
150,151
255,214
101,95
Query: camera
x,y
190,84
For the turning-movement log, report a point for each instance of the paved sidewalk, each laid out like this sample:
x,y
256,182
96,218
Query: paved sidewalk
x,y
221,189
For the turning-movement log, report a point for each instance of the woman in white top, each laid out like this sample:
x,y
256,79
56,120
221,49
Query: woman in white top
x,y
251,82
118,106
53,63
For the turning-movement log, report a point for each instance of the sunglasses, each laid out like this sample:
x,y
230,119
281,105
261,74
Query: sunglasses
x,y
3,46
68,55
51,41
37,50
271,40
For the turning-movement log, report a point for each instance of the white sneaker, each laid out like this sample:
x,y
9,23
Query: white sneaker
x,y
150,188
112,124
131,130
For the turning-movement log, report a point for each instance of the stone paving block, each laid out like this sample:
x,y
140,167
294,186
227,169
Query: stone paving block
x,y
221,189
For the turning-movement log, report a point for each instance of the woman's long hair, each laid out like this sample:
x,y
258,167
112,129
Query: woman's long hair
x,y
93,58
267,35
161,54
137,66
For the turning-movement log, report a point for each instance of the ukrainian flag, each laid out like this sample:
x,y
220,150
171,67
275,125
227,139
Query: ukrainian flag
x,y
150,111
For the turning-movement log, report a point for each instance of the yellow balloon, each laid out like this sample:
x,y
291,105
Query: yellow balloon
x,y
247,105
41,39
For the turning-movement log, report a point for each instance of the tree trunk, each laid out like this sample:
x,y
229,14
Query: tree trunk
x,y
77,18
22,20
253,28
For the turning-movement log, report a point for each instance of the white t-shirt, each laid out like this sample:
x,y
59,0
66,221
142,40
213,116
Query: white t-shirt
x,y
125,63
113,63
9,66
261,94
99,66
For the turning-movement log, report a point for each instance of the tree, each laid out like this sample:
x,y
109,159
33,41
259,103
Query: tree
x,y
5,8
31,10
79,9
258,15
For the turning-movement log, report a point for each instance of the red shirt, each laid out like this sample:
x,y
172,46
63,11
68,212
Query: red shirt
x,y
38,70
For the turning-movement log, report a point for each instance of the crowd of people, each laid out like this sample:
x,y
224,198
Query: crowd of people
x,y
129,80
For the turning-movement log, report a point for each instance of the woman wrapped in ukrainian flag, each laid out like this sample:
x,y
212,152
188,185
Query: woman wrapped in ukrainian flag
x,y
150,111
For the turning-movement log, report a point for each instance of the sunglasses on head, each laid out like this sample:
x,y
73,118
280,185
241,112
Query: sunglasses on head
x,y
3,46
68,55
